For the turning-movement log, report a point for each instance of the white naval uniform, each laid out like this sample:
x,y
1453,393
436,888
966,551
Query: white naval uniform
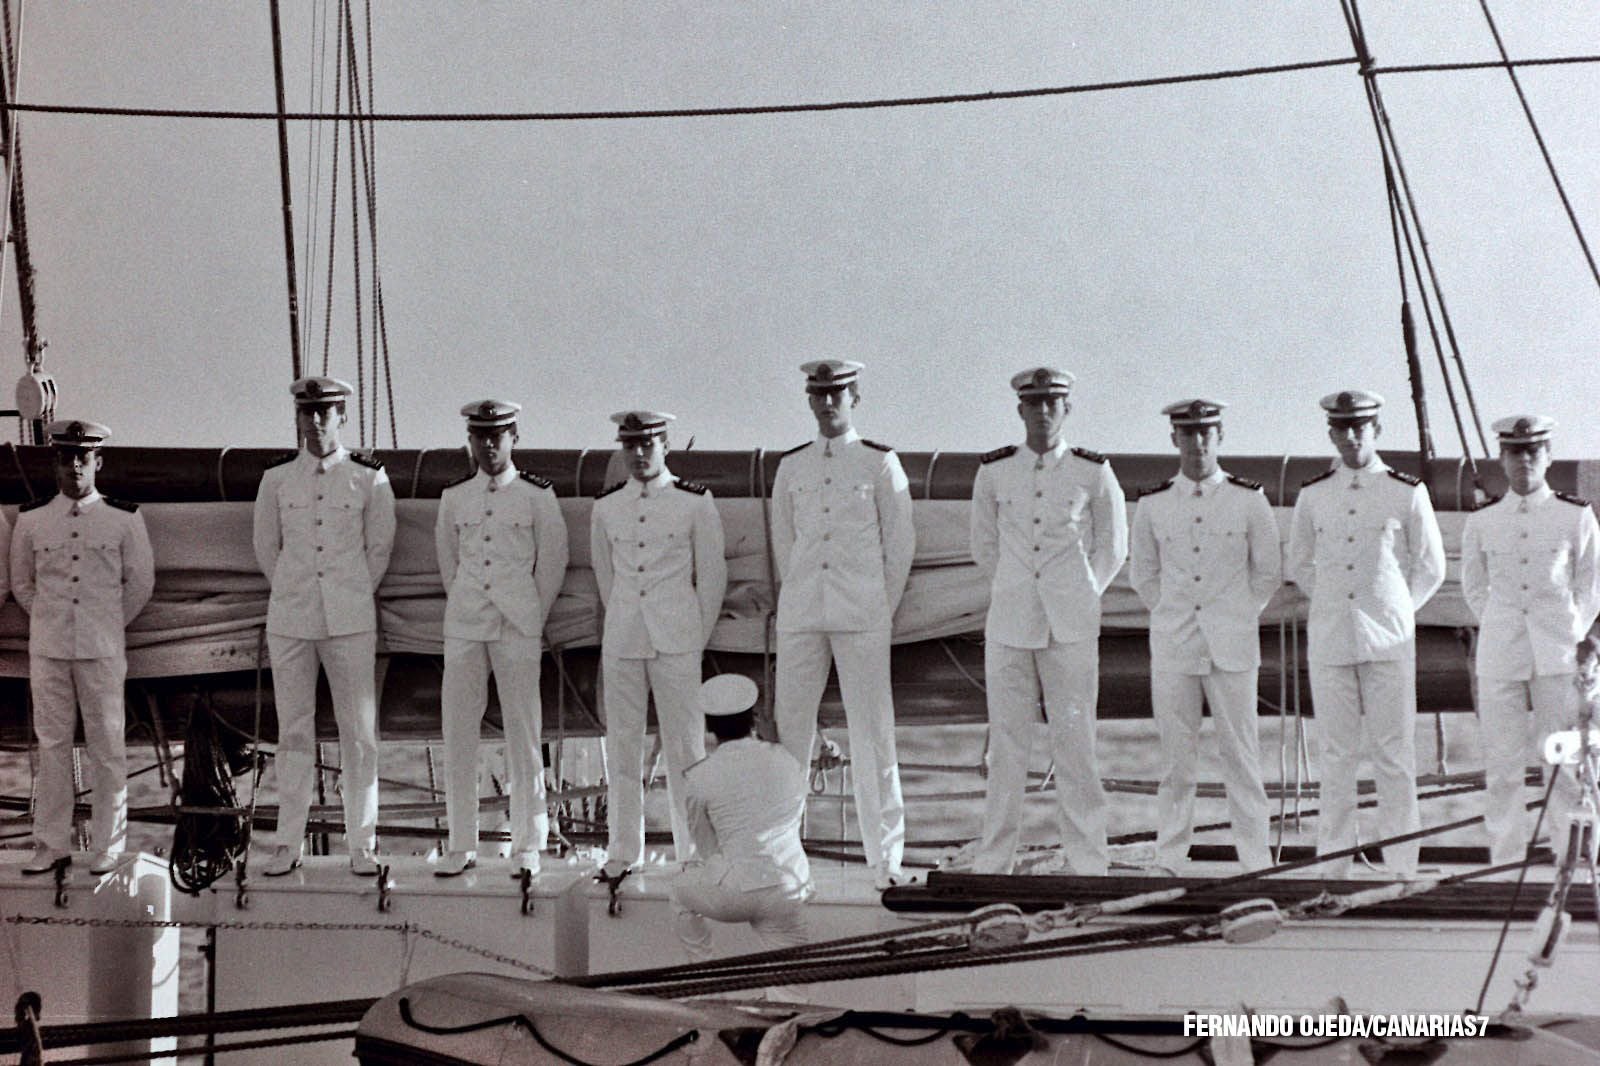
x,y
324,529
1052,529
843,541
502,549
1530,571
1365,548
658,558
82,570
745,803
1205,560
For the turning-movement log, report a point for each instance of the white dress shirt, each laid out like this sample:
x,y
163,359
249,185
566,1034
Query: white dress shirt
x,y
82,569
1530,571
1365,547
745,803
657,549
502,547
1205,561
324,528
1052,529
842,536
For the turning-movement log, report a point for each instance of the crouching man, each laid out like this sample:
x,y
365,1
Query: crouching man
x,y
744,803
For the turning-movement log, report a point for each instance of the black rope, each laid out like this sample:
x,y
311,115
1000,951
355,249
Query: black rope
x,y
1151,1053
1432,68
688,112
850,1021
1533,125
681,1040
215,1049
205,847
1516,893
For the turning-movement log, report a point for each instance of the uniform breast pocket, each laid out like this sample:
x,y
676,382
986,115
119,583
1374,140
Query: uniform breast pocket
x,y
102,561
295,512
1552,558
805,505
1223,544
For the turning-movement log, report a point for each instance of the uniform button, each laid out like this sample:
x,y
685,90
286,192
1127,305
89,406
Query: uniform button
x,y
1524,536
1036,574
641,518
824,566
1197,577
319,521
319,495
1036,521
1524,588
1352,540
486,588
493,487
1197,549
1035,547
74,558
75,578
641,592
825,510
319,573
1524,562
1352,510
1349,595
827,536
486,562
74,600
641,569
1198,519
1349,566
489,513
641,544
487,538
827,481
1197,606
319,547
74,532
1037,494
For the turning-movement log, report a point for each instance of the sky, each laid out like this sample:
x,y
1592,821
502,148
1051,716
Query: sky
x,y
1228,239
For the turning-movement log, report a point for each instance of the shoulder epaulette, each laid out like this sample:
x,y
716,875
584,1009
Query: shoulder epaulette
x,y
603,493
1325,475
536,480
999,453
1244,482
1490,502
1404,478
1153,489
462,480
1085,453
33,505
692,487
286,457
367,461
876,445
122,505
1579,500
798,448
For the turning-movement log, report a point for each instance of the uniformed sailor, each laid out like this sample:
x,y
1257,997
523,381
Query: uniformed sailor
x,y
1365,548
1050,524
324,528
1205,560
502,549
1530,571
81,566
745,802
843,541
656,542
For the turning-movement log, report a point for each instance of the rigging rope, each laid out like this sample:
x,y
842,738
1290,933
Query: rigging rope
x,y
207,845
1533,125
694,112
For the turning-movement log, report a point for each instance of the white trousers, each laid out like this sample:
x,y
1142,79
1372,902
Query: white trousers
x,y
463,698
1384,695
675,680
776,915
60,688
350,662
1067,677
1508,712
863,662
1176,700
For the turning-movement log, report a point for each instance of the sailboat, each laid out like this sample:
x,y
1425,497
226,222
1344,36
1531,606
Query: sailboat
x,y
1135,949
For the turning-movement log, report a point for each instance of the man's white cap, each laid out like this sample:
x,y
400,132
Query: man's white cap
x,y
728,694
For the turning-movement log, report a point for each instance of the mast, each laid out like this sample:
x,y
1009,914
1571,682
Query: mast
x,y
36,390
283,180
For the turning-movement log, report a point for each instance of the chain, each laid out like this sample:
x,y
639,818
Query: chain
x,y
409,928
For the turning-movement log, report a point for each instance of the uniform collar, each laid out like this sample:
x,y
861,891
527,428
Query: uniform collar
x,y
654,486
500,480
1048,458
327,462
1347,475
1533,499
1204,487
80,506
830,445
